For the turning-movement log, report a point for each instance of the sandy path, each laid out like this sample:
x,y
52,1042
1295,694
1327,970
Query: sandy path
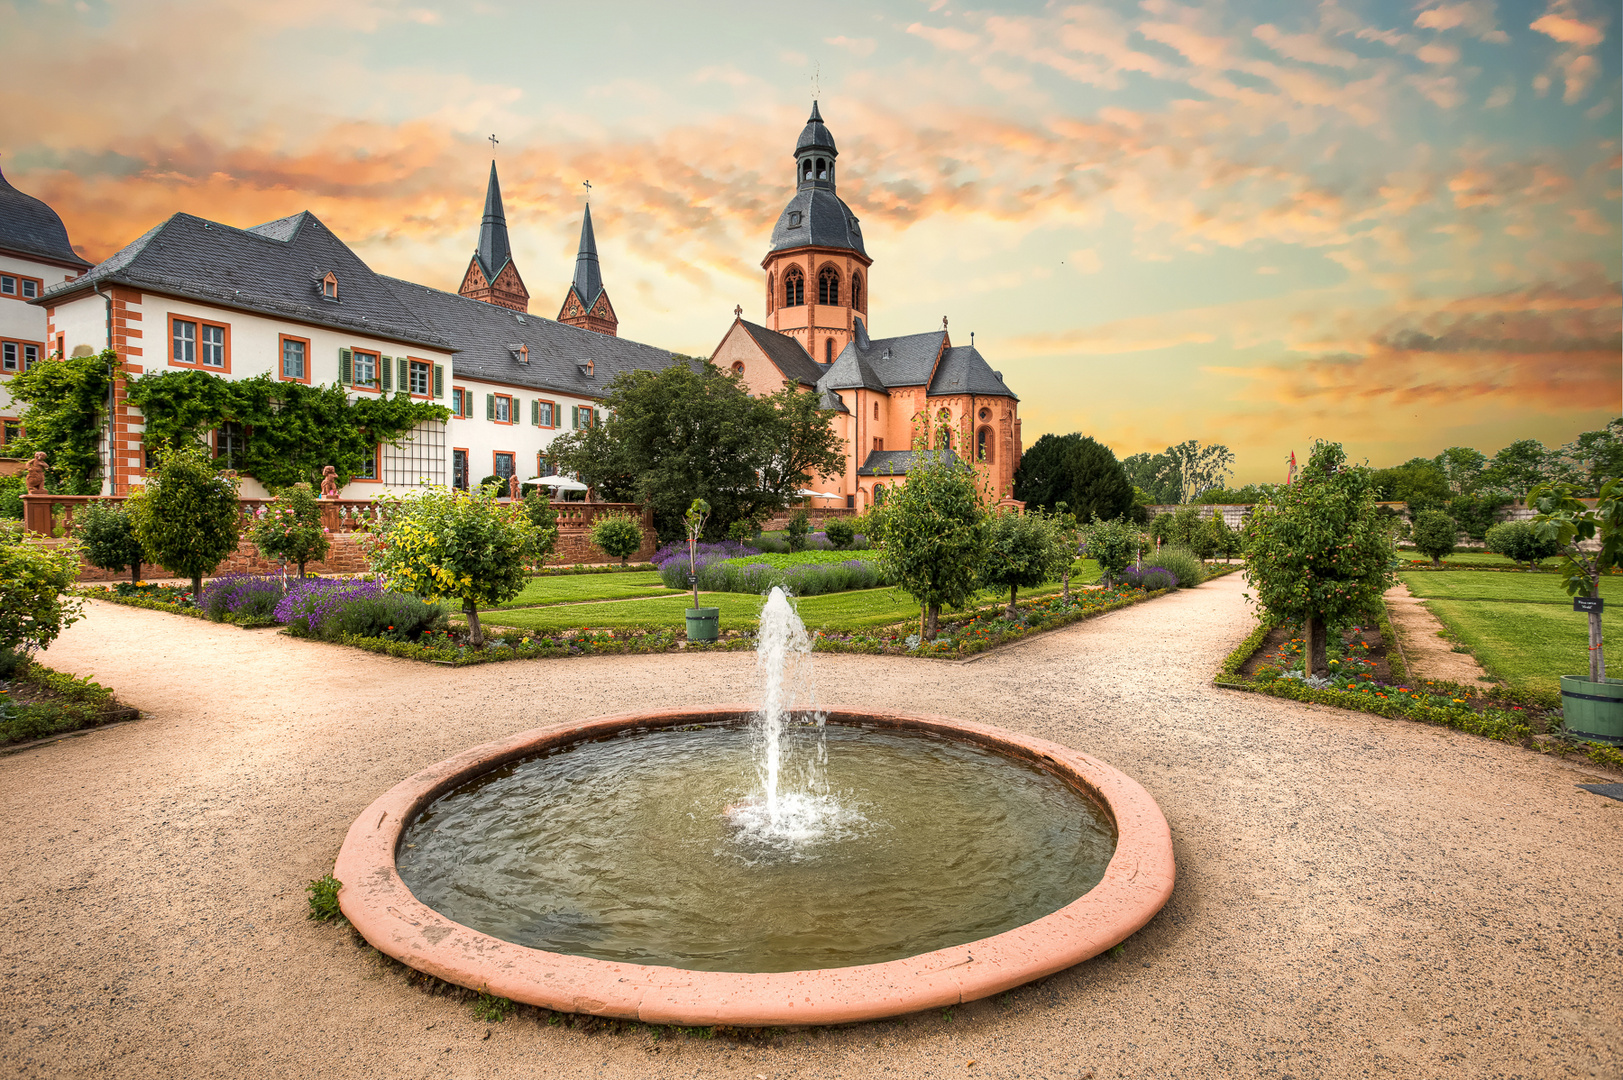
x,y
1428,655
1356,896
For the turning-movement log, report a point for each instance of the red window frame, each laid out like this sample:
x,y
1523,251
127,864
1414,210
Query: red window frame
x,y
510,406
377,468
197,344
17,280
496,454
20,351
281,345
428,365
376,385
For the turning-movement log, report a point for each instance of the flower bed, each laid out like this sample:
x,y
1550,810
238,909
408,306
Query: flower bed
x,y
37,702
176,599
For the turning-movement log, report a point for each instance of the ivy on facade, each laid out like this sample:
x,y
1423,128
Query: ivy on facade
x,y
66,401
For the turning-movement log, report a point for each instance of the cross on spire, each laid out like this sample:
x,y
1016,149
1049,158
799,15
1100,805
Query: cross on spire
x,y
493,142
587,184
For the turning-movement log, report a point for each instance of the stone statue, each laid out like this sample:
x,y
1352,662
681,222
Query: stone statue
x,y
512,486
36,474
329,482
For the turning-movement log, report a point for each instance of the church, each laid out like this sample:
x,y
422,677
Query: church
x,y
289,300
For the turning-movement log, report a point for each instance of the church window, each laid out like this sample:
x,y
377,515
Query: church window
x,y
856,291
879,494
828,286
876,410
794,287
794,219
828,350
943,436
822,169
986,414
983,445
771,292
807,173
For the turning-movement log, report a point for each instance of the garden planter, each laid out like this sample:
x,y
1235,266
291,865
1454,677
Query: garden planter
x,y
1593,710
704,623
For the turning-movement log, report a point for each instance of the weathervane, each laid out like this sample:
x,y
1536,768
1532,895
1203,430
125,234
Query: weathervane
x,y
493,141
817,86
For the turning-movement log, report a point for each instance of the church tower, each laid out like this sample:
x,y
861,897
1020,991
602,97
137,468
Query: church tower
x,y
491,275
586,304
816,269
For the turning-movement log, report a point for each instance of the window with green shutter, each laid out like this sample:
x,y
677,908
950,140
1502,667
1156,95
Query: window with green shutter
x,y
535,412
490,406
385,372
346,367
404,381
439,380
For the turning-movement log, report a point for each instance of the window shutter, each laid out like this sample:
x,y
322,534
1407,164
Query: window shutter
x,y
490,406
574,417
346,367
439,380
404,382
385,379
535,412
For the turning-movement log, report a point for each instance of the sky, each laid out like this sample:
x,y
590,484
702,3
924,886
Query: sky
x,y
1393,225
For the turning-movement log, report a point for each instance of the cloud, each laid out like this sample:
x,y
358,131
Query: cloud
x,y
1308,48
1571,23
1476,17
945,37
856,46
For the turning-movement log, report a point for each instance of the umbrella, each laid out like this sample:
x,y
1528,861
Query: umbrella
x,y
562,483
808,493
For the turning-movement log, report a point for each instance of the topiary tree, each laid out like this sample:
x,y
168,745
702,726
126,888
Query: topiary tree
x,y
1024,550
1114,546
1218,538
1318,552
1562,517
32,581
1520,542
107,532
617,534
1434,535
187,517
797,528
933,533
840,532
1069,531
441,544
291,528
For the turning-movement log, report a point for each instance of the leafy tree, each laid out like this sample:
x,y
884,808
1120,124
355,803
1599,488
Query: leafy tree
x,y
1318,553
1161,528
1462,466
840,532
1200,467
1520,542
934,535
1562,517
795,531
291,528
1475,514
1597,456
442,544
1419,482
1156,475
66,400
693,431
187,517
33,579
1520,467
1076,470
618,535
1250,494
1069,531
545,519
11,497
1024,550
1185,528
1218,538
1113,545
693,522
1434,535
108,534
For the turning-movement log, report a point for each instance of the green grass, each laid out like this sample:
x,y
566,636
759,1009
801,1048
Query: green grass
x,y
1529,646
1504,588
1472,558
807,558
576,588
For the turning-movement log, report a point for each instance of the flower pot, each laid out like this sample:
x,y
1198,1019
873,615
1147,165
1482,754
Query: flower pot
x,y
704,623
1593,710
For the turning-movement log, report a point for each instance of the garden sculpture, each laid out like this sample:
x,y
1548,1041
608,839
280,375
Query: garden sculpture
x,y
329,483
36,474
512,486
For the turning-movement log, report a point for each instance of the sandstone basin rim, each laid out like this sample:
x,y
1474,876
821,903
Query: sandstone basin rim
x,y
1137,882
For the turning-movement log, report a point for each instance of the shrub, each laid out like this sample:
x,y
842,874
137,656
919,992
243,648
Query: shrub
x,y
311,604
795,532
1150,578
1434,535
11,497
32,581
801,579
1024,550
245,597
497,482
394,616
108,534
1161,528
1520,542
324,898
1185,530
187,516
545,519
677,553
1113,545
290,528
618,535
840,533
743,530
1182,564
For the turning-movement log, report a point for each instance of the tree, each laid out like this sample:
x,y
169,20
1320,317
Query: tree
x,y
1434,535
1200,467
108,534
618,535
1562,517
1069,531
1024,550
66,401
693,431
1113,545
1520,467
442,544
1462,466
291,528
1156,475
32,582
1218,538
934,535
1076,470
1419,482
1319,553
187,517
545,519
1185,529
1597,456
1520,542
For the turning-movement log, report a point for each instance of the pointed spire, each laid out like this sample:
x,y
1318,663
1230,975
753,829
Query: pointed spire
x,y
494,250
816,117
588,275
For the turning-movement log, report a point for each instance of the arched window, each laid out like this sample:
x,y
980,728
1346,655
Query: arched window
x,y
856,291
808,171
794,287
822,169
879,494
771,292
828,350
828,286
738,366
876,410
983,444
943,432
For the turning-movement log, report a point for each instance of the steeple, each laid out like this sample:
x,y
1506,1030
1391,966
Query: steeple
x,y
491,275
586,304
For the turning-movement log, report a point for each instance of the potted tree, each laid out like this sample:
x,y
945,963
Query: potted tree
x,y
704,623
1592,707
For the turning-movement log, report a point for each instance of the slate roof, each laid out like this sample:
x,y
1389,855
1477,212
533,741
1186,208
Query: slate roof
x,y
29,227
882,363
486,336
825,221
273,269
964,371
785,352
494,251
897,462
588,275
815,135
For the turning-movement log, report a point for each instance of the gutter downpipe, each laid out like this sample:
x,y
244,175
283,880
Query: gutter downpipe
x,y
112,385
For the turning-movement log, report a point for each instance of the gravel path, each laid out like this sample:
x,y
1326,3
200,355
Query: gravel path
x,y
1356,896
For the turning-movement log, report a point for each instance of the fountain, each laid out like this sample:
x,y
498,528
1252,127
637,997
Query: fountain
x,y
756,866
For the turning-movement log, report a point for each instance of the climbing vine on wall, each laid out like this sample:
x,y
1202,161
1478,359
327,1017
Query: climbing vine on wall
x,y
293,430
66,401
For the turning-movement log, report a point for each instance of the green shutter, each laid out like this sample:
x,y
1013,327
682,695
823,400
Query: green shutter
x,y
346,367
404,381
383,372
535,412
439,380
574,417
490,406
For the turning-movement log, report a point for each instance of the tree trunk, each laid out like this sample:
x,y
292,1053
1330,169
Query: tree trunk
x,y
932,621
476,633
1597,655
1065,585
1314,658
301,569
135,573
197,587
1436,562
1009,611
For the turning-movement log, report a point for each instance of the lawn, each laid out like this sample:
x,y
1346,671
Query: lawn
x,y
1507,588
575,588
1469,559
1529,646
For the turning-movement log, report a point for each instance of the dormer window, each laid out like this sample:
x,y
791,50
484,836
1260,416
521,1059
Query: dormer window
x,y
329,286
521,353
794,219
586,367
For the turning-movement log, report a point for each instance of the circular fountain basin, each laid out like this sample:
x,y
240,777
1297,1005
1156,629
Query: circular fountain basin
x,y
949,861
